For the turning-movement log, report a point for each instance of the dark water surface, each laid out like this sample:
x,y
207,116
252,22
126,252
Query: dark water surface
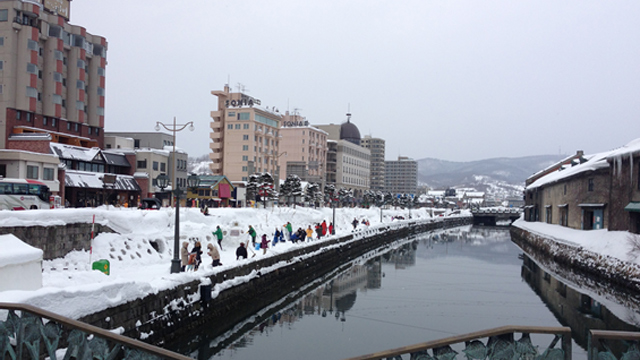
x,y
441,284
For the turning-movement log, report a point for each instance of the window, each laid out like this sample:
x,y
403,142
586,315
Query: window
x,y
590,185
32,172
80,84
57,54
245,137
245,147
100,111
32,92
565,189
142,164
245,126
4,14
44,121
53,122
231,114
244,116
47,174
245,168
163,167
155,165
32,68
81,63
230,127
79,105
32,45
1,65
100,91
237,126
75,127
245,158
101,71
29,117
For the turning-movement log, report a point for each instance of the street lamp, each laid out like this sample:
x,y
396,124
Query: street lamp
x,y
193,182
162,181
174,128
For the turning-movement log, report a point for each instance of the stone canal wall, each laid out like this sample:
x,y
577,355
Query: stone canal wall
x,y
56,241
602,268
171,315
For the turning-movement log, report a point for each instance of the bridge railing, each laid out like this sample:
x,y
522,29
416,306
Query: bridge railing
x,y
492,344
613,345
27,332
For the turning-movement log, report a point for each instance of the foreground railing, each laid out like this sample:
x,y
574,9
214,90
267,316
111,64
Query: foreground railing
x,y
499,345
27,332
612,345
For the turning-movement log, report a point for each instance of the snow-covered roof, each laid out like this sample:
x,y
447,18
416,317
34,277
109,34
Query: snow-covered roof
x,y
71,152
85,179
593,163
632,148
14,251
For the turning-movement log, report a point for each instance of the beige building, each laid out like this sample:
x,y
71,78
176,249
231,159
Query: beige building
x,y
401,176
377,148
352,161
245,137
52,74
303,149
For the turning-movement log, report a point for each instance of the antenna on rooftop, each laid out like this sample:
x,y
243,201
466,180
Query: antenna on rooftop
x,y
348,112
242,88
295,111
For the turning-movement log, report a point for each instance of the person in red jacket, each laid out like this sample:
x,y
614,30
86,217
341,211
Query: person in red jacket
x,y
324,228
331,229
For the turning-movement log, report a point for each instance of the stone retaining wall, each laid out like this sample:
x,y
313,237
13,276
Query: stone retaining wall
x,y
171,315
58,240
604,268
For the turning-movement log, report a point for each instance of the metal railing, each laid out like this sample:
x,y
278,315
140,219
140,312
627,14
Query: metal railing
x,y
28,332
613,345
500,345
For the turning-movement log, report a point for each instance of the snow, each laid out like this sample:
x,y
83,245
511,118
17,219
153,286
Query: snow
x,y
19,261
140,252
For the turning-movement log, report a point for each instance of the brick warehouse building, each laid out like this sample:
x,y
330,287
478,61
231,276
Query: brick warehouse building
x,y
53,75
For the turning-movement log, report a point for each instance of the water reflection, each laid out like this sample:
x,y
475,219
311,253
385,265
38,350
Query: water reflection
x,y
585,308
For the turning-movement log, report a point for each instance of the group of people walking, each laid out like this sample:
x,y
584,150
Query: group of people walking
x,y
192,259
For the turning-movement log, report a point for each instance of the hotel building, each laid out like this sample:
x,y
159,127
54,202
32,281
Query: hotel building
x,y
303,148
401,176
376,146
52,75
245,137
352,161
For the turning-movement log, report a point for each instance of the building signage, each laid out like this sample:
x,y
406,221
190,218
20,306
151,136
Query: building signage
x,y
244,101
58,7
294,123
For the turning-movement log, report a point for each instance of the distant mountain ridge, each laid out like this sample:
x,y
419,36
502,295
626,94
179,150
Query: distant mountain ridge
x,y
498,176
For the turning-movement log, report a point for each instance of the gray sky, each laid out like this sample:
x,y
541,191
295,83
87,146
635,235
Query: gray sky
x,y
454,80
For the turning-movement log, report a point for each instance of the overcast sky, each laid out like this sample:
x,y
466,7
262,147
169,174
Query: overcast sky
x,y
453,80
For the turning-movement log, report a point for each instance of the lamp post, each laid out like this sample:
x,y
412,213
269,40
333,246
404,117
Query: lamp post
x,y
162,181
174,128
193,182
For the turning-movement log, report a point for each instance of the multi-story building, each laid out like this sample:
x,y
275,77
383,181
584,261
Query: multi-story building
x,y
154,156
245,137
52,75
303,149
352,160
376,146
401,176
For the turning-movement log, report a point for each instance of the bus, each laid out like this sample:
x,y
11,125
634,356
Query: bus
x,y
23,194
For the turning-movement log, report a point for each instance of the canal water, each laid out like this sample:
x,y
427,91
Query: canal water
x,y
430,287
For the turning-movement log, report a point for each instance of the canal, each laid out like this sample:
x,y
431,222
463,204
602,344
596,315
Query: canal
x,y
430,287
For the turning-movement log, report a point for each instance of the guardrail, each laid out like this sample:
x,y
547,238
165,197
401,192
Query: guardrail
x,y
613,345
500,344
28,332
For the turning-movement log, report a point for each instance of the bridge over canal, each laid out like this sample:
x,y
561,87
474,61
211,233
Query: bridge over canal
x,y
490,216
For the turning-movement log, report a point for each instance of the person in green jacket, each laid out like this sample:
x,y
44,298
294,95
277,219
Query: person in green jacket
x,y
218,234
289,229
253,234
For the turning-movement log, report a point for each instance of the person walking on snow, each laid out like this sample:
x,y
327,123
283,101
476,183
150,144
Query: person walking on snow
x,y
253,234
324,227
218,234
197,250
276,237
354,223
215,255
264,244
184,255
331,229
310,233
289,229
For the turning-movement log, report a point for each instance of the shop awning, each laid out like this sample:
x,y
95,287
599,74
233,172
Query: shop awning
x,y
633,206
592,205
90,180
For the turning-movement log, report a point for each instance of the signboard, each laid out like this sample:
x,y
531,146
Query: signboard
x,y
294,123
243,101
58,7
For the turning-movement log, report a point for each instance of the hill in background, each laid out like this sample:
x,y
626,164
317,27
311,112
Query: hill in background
x,y
498,177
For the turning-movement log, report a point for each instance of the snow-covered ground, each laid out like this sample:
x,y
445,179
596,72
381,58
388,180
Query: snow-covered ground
x,y
140,253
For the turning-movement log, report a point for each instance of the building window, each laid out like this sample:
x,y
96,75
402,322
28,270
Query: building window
x,y
245,147
590,184
244,116
155,165
163,167
32,92
81,63
44,121
80,105
245,126
53,122
245,158
32,172
245,137
32,45
230,127
565,189
4,14
32,68
47,174
237,126
80,84
245,169
100,111
142,164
